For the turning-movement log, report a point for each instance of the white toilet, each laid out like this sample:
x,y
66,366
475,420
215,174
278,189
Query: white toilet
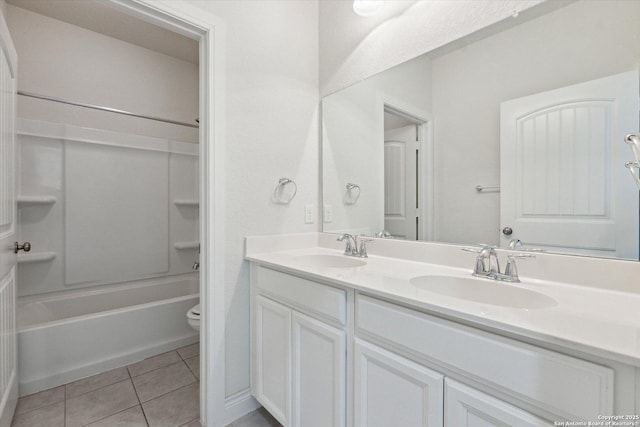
x,y
193,317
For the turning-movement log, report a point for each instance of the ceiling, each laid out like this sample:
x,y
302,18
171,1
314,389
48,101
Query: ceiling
x,y
100,17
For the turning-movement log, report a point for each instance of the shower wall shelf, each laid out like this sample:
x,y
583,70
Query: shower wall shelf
x,y
36,257
181,246
186,202
35,200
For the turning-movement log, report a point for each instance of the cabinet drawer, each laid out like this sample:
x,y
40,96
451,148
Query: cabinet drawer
x,y
560,384
306,295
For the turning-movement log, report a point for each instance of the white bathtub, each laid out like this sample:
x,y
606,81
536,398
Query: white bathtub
x,y
67,337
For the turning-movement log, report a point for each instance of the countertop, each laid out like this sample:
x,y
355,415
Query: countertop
x,y
600,322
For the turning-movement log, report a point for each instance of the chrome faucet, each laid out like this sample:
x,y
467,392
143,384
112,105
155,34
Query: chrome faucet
x,y
351,248
482,269
488,266
383,234
196,265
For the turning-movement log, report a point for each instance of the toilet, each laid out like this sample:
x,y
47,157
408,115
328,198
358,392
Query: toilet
x,y
193,317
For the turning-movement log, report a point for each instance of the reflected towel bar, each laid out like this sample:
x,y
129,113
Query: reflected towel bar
x,y
480,188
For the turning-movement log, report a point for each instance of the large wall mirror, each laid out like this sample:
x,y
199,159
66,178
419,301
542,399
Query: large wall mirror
x,y
511,137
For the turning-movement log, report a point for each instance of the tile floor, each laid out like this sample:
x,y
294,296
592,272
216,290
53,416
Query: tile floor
x,y
161,391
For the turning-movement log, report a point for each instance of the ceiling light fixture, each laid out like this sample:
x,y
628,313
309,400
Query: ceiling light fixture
x,y
367,7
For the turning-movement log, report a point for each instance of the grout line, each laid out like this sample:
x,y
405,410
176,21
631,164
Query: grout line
x,y
172,391
191,370
154,369
144,414
37,409
115,413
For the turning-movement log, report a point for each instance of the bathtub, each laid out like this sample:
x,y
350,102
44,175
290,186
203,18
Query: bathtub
x,y
66,337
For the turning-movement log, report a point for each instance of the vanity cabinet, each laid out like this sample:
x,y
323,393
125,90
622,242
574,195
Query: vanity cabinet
x,y
327,356
299,349
392,390
468,407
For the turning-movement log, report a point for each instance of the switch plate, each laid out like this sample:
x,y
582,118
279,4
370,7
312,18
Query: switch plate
x,y
308,214
328,213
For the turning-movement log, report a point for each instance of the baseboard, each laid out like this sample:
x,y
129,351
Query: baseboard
x,y
239,404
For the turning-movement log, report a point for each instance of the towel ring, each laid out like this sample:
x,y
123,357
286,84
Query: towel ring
x,y
349,197
280,194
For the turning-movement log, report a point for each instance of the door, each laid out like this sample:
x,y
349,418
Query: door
x,y
8,347
400,182
563,181
467,407
393,391
319,374
272,363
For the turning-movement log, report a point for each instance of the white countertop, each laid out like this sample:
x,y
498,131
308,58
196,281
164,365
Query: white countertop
x,y
602,322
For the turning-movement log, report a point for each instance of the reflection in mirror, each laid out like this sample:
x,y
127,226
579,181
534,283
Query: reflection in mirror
x,y
512,137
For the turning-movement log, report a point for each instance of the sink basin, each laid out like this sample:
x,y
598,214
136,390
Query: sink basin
x,y
484,291
330,261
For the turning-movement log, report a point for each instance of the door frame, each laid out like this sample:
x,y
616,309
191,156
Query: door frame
x,y
426,176
198,24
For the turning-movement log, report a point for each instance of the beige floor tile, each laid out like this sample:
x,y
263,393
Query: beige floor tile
x,y
175,408
194,365
99,404
38,400
258,418
48,416
194,423
154,362
162,380
189,351
96,382
132,417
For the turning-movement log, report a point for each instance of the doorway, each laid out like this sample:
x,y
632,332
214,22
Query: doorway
x,y
201,26
408,175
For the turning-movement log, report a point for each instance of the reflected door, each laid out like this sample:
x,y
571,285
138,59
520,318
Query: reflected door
x,y
8,237
400,182
563,181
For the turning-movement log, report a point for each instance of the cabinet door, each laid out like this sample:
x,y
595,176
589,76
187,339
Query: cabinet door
x,y
272,364
393,391
467,407
319,376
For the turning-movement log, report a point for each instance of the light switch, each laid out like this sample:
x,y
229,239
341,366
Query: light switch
x,y
308,214
328,213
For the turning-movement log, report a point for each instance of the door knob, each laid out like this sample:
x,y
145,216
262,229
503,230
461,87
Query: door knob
x,y
507,231
26,246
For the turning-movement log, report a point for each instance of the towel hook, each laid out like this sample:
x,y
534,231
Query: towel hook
x,y
349,197
280,194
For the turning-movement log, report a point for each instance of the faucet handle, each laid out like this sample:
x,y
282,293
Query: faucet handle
x,y
510,270
362,252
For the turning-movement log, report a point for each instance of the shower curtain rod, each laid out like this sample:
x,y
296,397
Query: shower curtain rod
x,y
101,108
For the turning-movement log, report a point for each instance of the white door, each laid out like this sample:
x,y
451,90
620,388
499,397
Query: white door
x,y
8,347
563,180
272,363
393,391
400,182
319,374
467,407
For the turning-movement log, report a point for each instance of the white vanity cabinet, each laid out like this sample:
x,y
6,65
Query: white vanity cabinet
x,y
390,390
330,356
468,407
298,349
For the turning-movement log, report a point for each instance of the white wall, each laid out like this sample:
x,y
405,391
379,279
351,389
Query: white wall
x,y
271,132
580,42
353,47
65,61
